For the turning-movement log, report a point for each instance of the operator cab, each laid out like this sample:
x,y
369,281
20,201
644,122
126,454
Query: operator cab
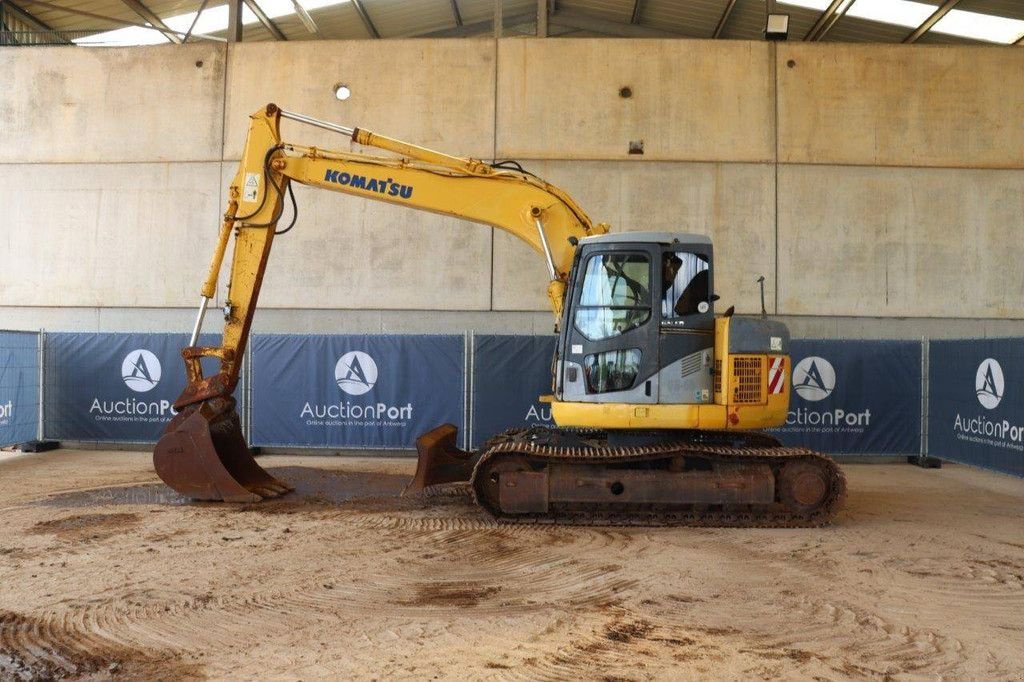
x,y
638,325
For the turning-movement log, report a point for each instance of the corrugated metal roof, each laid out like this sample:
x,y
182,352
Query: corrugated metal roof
x,y
610,10
408,18
696,19
405,18
1014,9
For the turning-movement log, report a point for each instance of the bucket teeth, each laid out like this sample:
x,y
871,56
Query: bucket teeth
x,y
203,455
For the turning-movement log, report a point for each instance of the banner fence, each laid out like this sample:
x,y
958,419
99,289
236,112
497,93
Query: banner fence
x,y
113,388
355,391
958,400
976,402
20,387
855,397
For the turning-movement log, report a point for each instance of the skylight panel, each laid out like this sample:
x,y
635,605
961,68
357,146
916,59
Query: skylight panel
x,y
821,5
212,20
980,26
898,12
910,14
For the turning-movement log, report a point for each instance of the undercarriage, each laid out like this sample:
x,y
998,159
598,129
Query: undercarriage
x,y
692,478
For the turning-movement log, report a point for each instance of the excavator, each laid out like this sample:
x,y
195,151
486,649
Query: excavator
x,y
659,402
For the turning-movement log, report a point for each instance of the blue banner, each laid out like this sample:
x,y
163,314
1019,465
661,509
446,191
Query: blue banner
x,y
19,387
510,373
355,391
854,397
115,388
976,403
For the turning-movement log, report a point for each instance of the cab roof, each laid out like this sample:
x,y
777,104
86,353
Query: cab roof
x,y
682,238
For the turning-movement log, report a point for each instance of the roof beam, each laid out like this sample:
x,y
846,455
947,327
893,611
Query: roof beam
x,y
306,19
234,21
81,13
265,20
942,11
199,13
456,13
634,18
724,20
829,18
25,16
585,22
112,20
28,18
370,28
144,12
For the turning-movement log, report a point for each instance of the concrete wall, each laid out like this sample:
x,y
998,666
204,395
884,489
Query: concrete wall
x,y
878,188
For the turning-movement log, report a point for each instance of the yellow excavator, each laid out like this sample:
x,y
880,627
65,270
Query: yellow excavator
x,y
658,401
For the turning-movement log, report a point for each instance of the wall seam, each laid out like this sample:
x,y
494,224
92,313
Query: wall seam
x,y
494,157
775,132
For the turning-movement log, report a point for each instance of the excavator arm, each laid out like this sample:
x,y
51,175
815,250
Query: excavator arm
x,y
203,453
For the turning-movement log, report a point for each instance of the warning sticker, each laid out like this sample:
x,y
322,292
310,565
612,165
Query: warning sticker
x,y
252,187
776,376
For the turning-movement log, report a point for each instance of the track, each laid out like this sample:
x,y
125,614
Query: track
x,y
530,446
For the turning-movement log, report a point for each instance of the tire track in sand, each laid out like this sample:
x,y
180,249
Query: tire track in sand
x,y
490,572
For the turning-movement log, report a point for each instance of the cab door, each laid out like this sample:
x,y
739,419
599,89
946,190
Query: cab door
x,y
686,325
609,349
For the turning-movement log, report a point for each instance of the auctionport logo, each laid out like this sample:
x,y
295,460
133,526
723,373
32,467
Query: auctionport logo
x,y
814,378
140,370
989,383
355,373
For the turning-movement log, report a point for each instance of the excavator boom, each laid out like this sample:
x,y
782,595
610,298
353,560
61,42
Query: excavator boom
x,y
203,453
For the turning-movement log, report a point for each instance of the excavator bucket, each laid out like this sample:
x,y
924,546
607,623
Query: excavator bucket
x,y
203,455
439,460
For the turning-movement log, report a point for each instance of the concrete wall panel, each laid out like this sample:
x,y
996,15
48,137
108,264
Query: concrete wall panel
x,y
900,242
731,203
107,234
347,252
433,93
691,100
71,105
891,105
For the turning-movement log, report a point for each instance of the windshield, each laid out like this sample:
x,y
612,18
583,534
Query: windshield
x,y
616,295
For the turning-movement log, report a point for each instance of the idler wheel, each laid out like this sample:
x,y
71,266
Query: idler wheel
x,y
803,486
490,476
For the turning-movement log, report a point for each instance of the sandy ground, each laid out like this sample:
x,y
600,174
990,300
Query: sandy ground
x,y
106,574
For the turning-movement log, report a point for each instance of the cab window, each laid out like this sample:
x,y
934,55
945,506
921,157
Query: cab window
x,y
684,281
616,295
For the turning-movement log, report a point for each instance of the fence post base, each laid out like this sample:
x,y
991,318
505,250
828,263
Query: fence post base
x,y
925,462
39,445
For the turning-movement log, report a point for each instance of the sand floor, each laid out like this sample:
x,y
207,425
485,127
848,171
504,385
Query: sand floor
x,y
104,573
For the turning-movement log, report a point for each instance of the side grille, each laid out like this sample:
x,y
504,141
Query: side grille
x,y
718,376
748,380
690,365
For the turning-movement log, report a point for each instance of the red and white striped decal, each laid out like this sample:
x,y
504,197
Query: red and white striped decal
x,y
776,375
